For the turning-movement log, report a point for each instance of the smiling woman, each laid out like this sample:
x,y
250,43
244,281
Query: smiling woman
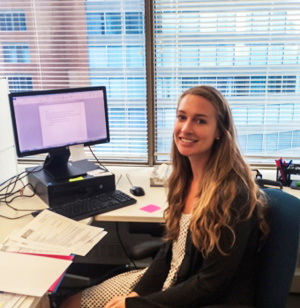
x,y
215,221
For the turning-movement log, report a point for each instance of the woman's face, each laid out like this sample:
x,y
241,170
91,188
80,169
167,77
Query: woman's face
x,y
195,127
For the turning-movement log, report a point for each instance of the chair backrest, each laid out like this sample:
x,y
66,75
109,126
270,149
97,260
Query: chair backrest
x,y
278,257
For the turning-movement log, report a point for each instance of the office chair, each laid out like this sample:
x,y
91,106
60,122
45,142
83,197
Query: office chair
x,y
278,257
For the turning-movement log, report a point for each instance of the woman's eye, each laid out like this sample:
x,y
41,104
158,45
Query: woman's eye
x,y
201,121
180,117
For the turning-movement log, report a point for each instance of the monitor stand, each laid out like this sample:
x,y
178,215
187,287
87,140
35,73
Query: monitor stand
x,y
57,165
66,172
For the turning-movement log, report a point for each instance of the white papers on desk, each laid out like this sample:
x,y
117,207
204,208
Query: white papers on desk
x,y
10,300
28,274
50,232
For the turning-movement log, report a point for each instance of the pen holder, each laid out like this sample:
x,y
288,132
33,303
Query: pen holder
x,y
284,173
284,176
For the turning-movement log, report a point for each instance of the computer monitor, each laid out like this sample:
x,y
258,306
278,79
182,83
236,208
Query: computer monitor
x,y
53,120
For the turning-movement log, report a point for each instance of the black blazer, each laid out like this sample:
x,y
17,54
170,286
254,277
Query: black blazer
x,y
217,279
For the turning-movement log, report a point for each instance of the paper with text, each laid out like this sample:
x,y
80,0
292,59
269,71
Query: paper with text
x,y
54,232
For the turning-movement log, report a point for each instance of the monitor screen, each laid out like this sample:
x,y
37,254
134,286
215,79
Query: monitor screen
x,y
50,121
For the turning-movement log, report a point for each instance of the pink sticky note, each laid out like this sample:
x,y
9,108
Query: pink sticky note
x,y
150,208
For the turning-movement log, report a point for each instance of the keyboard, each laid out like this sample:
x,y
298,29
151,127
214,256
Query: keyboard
x,y
97,204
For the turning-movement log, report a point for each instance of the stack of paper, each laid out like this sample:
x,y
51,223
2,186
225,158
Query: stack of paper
x,y
33,258
10,300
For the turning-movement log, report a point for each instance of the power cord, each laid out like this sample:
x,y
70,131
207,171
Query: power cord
x,y
9,192
128,178
123,247
98,161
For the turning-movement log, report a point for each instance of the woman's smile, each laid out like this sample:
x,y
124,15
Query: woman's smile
x,y
185,140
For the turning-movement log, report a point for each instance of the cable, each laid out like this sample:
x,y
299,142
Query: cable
x,y
128,178
8,191
119,179
123,247
98,161
21,190
17,177
14,218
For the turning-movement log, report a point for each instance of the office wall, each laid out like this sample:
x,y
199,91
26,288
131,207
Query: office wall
x,y
8,161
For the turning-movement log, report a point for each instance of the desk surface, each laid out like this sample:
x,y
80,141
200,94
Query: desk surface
x,y
139,176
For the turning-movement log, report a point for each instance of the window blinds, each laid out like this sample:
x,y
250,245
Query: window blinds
x,y
74,43
250,51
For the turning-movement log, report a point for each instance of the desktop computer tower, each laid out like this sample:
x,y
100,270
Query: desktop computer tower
x,y
55,192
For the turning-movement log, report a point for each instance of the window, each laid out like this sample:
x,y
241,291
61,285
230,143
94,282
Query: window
x,y
12,21
113,23
134,22
110,23
95,23
135,56
249,50
20,83
15,53
97,56
118,62
115,56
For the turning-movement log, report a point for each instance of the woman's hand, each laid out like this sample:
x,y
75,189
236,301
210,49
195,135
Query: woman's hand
x,y
116,302
119,301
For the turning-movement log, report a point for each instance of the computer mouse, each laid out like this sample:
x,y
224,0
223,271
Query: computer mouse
x,y
137,191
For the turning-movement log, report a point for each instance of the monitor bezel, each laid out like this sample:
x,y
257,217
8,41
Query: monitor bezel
x,y
49,92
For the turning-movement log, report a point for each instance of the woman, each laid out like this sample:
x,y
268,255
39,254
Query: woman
x,y
215,220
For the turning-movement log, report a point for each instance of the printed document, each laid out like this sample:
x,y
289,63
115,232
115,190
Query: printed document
x,y
50,231
33,258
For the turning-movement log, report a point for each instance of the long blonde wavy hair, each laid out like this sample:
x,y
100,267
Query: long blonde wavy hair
x,y
226,174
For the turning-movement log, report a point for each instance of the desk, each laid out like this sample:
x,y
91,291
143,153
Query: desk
x,y
139,176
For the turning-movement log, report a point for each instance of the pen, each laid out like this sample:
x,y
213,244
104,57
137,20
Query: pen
x,y
279,165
